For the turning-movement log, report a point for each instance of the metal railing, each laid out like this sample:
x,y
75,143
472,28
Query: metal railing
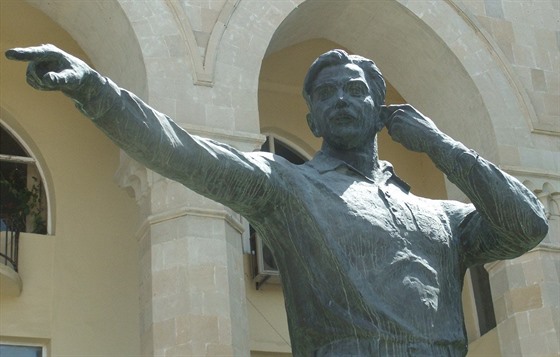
x,y
9,246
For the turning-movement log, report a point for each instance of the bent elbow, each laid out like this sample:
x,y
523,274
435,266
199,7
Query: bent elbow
x,y
538,228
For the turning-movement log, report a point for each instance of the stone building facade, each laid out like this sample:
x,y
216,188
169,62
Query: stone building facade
x,y
162,271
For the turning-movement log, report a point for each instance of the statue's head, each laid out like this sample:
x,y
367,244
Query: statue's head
x,y
344,94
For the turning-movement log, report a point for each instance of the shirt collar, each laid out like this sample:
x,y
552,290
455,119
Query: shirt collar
x,y
324,163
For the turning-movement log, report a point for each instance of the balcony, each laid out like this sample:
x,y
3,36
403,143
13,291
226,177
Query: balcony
x,y
10,281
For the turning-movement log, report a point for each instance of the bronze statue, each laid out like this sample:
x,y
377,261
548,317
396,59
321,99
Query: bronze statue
x,y
367,267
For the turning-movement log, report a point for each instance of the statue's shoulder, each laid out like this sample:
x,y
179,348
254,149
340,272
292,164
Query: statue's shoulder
x,y
274,163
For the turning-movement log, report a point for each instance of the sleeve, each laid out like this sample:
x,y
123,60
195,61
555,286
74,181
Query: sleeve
x,y
242,181
505,219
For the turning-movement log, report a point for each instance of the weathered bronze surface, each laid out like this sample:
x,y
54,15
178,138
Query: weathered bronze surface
x,y
367,267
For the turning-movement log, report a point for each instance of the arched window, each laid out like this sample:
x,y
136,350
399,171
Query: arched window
x,y
23,203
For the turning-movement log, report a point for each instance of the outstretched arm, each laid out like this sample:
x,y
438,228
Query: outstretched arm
x,y
508,221
217,171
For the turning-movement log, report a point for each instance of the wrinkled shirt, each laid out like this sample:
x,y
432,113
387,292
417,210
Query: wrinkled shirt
x,y
367,267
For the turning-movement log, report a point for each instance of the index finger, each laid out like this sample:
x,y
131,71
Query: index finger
x,y
32,53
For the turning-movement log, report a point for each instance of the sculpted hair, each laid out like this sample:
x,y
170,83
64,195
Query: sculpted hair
x,y
340,57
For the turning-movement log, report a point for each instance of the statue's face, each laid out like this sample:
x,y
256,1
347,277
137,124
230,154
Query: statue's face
x,y
343,111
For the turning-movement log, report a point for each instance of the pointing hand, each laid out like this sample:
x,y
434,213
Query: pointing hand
x,y
50,68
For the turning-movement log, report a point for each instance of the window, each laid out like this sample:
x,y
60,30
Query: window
x,y
22,199
21,350
262,262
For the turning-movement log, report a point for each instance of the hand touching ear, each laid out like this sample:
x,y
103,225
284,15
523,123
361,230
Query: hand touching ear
x,y
408,126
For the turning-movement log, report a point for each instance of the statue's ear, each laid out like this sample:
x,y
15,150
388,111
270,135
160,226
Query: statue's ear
x,y
312,125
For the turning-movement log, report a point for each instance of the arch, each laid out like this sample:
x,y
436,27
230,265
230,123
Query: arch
x,y
203,63
91,23
422,66
447,47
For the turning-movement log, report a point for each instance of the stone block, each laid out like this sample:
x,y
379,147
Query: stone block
x,y
531,158
493,8
523,55
509,340
202,277
176,45
154,47
552,104
534,345
552,81
523,299
498,280
165,26
209,18
553,342
522,322
216,303
550,267
509,155
538,80
203,251
156,262
540,321
476,6
196,226
546,38
175,253
551,293
225,330
515,275
533,271
500,309
542,58
164,334
219,350
485,22
178,350
203,328
168,307
220,117
164,283
502,30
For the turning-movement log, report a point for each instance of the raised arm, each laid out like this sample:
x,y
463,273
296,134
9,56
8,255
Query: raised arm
x,y
239,180
508,221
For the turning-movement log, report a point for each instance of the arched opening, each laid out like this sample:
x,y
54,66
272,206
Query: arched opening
x,y
91,251
24,201
419,68
103,30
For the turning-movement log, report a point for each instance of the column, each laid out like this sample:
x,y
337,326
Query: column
x,y
192,293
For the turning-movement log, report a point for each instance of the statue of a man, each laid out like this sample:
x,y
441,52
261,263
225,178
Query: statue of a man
x,y
367,267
